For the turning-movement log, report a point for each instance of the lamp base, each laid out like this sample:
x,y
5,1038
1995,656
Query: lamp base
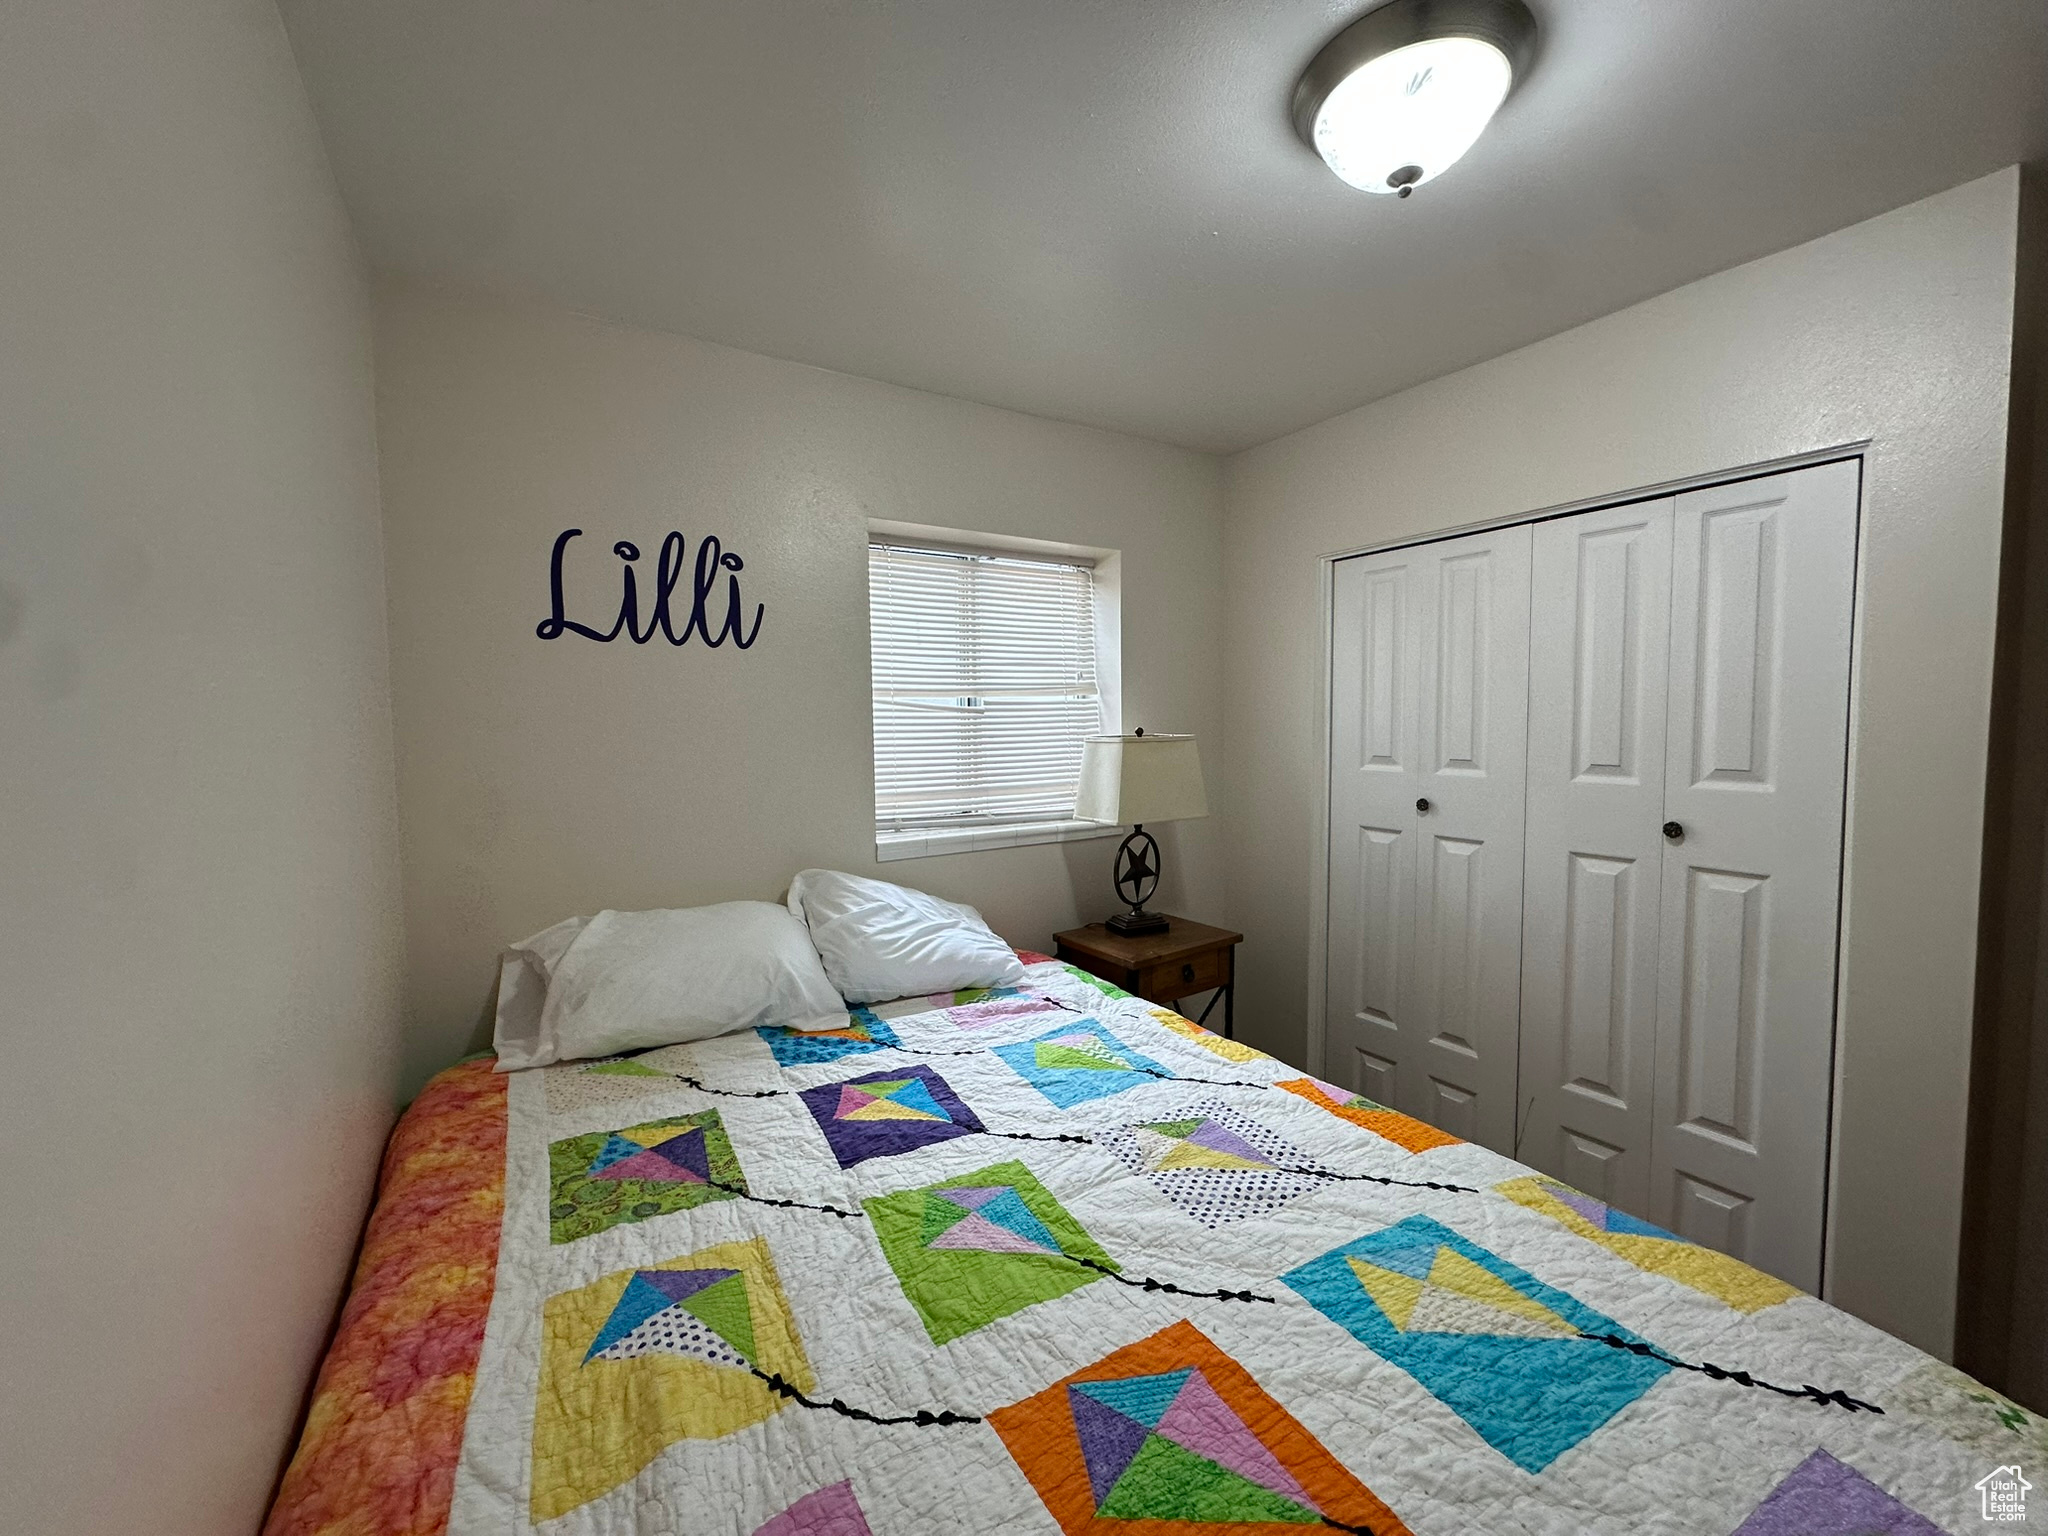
x,y
1138,920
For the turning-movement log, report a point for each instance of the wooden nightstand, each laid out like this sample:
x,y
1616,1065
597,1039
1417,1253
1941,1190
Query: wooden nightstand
x,y
1161,967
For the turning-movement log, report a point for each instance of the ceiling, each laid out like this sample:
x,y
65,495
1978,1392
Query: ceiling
x,y
1096,209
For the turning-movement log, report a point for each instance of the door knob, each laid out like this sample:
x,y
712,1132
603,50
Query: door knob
x,y
1422,805
1673,831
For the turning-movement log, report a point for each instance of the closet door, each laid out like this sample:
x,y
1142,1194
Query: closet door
x,y
1375,766
1598,628
1429,716
1762,589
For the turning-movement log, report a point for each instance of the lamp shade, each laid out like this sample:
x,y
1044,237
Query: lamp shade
x,y
1136,779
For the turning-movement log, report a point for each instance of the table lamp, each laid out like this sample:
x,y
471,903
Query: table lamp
x,y
1137,779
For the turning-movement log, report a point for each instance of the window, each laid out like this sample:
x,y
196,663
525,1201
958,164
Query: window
x,y
985,682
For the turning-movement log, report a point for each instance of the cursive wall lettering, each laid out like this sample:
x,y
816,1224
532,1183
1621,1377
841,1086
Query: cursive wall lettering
x,y
713,560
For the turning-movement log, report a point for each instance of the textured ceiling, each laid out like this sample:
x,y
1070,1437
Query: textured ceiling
x,y
1095,209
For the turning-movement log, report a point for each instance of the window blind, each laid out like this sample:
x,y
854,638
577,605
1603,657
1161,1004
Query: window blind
x,y
984,682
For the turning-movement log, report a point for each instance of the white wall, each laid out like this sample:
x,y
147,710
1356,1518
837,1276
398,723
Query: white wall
x,y
198,886
1897,330
541,778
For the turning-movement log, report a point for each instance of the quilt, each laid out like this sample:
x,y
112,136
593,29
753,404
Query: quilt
x,y
1051,1260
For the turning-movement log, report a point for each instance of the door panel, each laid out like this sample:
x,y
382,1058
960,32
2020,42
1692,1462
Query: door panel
x,y
1468,889
1718,1006
1386,679
1457,881
1599,934
1454,1109
1762,587
1429,703
1384,856
1717,1218
1373,763
1598,639
1591,1166
1372,1076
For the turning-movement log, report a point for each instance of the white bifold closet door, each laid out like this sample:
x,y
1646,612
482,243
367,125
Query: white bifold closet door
x,y
1598,638
1689,670
1429,707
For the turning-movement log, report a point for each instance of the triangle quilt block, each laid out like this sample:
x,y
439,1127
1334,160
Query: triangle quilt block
x,y
1402,1130
1079,1061
972,1250
886,1113
640,1359
638,1173
1505,1352
864,1032
1173,1432
1215,1164
1650,1248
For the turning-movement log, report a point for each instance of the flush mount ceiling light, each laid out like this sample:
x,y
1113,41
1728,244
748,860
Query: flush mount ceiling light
x,y
1394,99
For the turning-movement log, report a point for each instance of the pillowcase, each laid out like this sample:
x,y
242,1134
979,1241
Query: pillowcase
x,y
625,981
880,941
524,971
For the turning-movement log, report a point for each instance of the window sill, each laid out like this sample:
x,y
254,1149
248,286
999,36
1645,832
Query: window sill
x,y
927,844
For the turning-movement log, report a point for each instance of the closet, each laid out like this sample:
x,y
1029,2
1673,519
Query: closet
x,y
1585,793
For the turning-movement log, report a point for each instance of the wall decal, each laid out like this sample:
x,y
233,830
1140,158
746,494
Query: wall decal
x,y
712,558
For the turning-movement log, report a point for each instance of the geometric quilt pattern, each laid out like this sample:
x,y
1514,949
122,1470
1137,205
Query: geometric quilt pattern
x,y
611,1178
586,1085
1172,1432
1107,988
1214,1044
971,1249
1825,1497
1650,1248
1004,1009
885,1113
640,1359
1211,1162
1986,1423
1494,1344
862,1033
966,997
1402,1130
1077,1062
832,1511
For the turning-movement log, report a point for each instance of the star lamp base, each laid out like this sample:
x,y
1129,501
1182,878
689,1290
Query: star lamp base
x,y
1137,920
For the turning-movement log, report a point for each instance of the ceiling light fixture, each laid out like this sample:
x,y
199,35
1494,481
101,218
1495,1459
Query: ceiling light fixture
x,y
1398,96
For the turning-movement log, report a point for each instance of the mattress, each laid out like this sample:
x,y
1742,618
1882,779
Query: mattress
x,y
1049,1259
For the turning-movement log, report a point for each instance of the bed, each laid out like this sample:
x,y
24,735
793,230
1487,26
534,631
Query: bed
x,y
1050,1259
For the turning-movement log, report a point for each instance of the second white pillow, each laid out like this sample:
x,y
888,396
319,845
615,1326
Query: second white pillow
x,y
881,941
631,980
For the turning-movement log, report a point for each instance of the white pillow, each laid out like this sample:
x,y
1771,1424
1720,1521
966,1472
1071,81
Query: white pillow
x,y
524,971
629,980
880,941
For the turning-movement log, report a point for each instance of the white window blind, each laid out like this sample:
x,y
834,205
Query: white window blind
x,y
985,683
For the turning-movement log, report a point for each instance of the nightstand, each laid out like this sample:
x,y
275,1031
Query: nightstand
x,y
1161,967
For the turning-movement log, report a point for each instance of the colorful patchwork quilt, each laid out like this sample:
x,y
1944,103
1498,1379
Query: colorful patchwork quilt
x,y
1052,1261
